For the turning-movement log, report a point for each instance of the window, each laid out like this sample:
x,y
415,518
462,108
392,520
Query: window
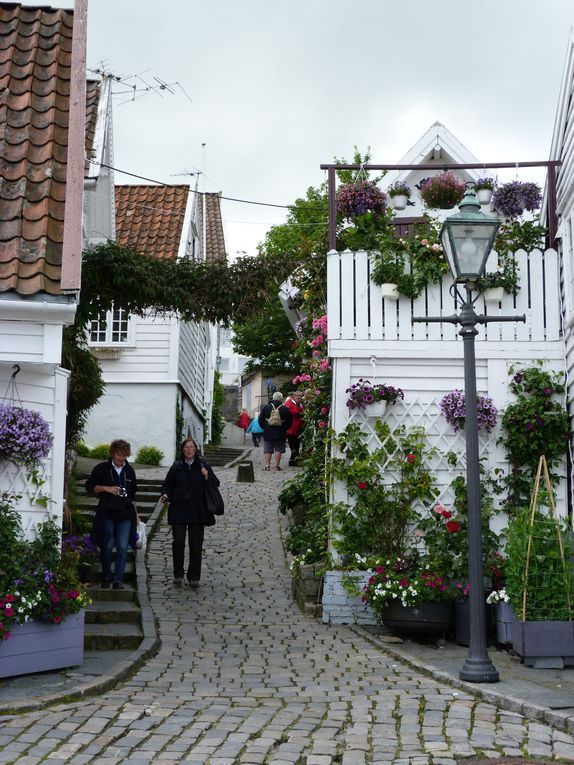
x,y
110,328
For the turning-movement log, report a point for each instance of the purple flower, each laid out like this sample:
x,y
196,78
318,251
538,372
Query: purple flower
x,y
548,391
25,436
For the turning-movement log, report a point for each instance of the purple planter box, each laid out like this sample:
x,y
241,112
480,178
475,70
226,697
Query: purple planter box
x,y
544,644
38,647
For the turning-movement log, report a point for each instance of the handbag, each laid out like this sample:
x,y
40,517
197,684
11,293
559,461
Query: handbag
x,y
213,499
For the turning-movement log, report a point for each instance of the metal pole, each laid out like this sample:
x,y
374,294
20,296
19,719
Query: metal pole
x,y
477,668
332,208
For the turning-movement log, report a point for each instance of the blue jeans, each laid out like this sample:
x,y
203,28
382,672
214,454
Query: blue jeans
x,y
119,537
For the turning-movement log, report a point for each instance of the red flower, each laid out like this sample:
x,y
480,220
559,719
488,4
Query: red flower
x,y
322,424
453,526
446,514
361,485
411,459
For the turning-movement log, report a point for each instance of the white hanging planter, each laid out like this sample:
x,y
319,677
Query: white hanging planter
x,y
400,201
494,294
484,196
390,291
376,409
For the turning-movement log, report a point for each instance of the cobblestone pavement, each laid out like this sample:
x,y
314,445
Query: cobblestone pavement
x,y
243,677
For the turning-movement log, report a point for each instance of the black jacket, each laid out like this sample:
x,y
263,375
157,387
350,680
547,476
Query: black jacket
x,y
111,505
274,432
184,487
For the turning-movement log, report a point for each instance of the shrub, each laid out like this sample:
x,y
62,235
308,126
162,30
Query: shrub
x,y
82,450
149,455
100,452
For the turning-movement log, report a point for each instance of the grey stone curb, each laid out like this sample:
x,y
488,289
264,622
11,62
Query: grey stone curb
x,y
508,703
237,460
123,669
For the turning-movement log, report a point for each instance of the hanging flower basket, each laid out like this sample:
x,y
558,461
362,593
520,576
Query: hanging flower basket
x,y
514,198
453,407
356,199
484,188
442,191
363,394
25,437
400,194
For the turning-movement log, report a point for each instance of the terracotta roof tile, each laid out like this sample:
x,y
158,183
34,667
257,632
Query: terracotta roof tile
x,y
214,237
35,61
149,219
92,103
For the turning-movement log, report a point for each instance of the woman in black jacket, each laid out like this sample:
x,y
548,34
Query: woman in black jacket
x,y
184,489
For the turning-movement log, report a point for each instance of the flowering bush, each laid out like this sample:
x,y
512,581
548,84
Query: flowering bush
x,y
37,580
25,436
512,199
399,188
362,393
397,579
452,406
354,199
442,191
498,596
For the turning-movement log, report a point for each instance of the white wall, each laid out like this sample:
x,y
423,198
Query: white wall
x,y
142,413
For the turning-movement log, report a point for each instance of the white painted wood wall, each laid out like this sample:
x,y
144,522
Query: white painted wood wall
x,y
373,337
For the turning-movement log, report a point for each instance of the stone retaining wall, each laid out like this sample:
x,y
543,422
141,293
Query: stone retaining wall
x,y
339,605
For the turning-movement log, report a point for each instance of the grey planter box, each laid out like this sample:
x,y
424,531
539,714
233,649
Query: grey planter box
x,y
38,647
544,644
503,620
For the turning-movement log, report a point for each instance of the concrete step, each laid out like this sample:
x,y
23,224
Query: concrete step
x,y
113,612
109,637
109,595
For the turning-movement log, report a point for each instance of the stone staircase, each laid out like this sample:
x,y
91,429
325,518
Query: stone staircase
x,y
218,456
113,620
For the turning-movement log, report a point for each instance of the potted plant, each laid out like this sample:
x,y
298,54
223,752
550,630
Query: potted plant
x,y
400,193
359,198
452,407
484,188
409,598
540,580
514,198
25,437
363,395
503,615
442,191
41,599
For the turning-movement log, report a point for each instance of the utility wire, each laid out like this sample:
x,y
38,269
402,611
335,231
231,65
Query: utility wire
x,y
229,199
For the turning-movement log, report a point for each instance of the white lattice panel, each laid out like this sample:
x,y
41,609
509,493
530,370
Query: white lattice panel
x,y
16,479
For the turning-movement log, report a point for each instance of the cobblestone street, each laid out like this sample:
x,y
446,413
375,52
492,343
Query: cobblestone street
x,y
243,676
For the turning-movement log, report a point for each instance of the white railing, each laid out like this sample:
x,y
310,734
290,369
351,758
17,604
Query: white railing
x,y
358,311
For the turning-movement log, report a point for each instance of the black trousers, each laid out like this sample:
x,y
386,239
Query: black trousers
x,y
195,532
294,443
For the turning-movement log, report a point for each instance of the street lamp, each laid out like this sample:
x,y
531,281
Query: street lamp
x,y
467,238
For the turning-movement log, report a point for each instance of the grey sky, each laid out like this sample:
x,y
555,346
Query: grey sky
x,y
279,87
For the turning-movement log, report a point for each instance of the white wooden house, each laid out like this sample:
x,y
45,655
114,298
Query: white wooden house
x,y
42,122
158,371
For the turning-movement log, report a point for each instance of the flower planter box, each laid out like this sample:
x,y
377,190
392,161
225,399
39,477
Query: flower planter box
x,y
390,291
462,620
399,201
503,620
38,647
342,607
424,619
544,644
376,409
493,294
484,196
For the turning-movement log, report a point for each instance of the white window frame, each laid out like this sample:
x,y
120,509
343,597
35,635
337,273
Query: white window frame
x,y
106,340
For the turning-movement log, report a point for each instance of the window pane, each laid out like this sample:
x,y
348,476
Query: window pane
x,y
98,329
119,326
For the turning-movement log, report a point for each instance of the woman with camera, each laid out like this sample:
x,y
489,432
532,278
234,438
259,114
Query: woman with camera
x,y
114,482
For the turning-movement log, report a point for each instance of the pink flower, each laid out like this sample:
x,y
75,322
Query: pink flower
x,y
324,410
324,365
425,242
322,424
411,459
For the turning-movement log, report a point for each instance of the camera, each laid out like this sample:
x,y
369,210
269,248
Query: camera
x,y
122,492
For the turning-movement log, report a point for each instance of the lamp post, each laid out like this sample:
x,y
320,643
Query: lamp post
x,y
467,238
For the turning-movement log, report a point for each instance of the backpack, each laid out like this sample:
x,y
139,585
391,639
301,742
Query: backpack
x,y
274,419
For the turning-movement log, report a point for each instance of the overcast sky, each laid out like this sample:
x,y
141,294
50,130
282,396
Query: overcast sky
x,y
277,88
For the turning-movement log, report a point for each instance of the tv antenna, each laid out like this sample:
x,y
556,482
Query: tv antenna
x,y
136,87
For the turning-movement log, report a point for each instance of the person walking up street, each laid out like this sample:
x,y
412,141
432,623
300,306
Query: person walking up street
x,y
275,419
184,489
256,431
114,482
295,406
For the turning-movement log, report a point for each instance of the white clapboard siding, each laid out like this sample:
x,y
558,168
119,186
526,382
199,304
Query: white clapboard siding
x,y
147,358
193,346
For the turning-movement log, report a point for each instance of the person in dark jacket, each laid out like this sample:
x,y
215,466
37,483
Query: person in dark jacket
x,y
115,521
274,436
184,489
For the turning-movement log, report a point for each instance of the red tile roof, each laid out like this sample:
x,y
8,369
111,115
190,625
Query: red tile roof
x,y
92,103
214,237
149,219
35,69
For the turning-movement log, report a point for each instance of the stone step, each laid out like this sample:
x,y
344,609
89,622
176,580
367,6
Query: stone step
x,y
109,595
109,637
112,612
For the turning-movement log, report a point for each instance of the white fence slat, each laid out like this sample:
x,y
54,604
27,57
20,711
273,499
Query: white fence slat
x,y
405,321
362,293
449,331
348,295
333,295
376,328
522,299
551,286
390,321
434,309
536,295
419,308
